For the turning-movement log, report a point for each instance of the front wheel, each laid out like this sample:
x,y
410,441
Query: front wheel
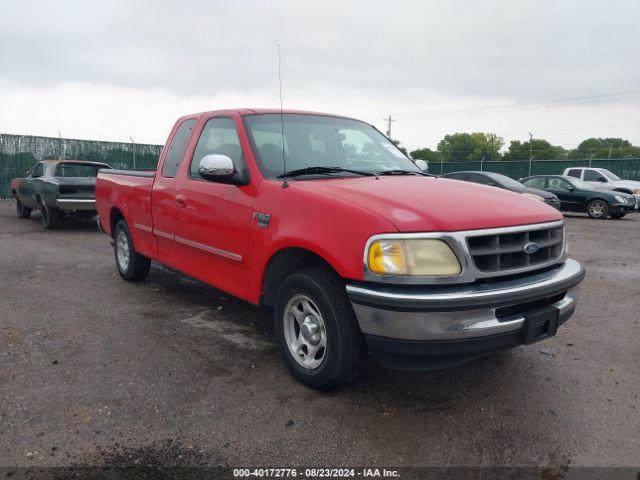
x,y
21,210
132,266
598,208
317,332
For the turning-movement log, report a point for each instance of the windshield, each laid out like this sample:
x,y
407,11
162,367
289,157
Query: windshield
x,y
77,170
321,141
578,183
504,180
610,175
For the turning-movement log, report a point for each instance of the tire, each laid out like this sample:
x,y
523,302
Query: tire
x,y
131,266
617,216
598,208
325,324
50,217
21,210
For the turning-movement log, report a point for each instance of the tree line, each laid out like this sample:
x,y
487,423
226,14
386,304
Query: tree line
x,y
461,147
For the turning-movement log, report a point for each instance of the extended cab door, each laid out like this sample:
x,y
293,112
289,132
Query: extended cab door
x,y
165,209
212,233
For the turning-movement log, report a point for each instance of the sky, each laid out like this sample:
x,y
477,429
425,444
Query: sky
x,y
111,70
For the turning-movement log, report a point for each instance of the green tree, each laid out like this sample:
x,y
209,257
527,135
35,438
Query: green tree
x,y
460,147
425,154
600,148
540,150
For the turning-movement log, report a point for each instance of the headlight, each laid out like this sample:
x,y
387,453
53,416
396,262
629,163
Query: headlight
x,y
534,196
620,199
412,257
636,191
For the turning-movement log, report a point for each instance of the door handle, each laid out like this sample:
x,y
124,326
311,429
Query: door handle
x,y
181,201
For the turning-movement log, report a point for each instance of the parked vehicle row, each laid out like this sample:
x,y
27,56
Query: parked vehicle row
x,y
566,192
58,188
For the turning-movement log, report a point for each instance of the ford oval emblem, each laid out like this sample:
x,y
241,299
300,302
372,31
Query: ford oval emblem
x,y
531,247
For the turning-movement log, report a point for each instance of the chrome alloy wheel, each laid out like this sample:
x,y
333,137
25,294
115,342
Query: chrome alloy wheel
x,y
596,209
122,249
305,332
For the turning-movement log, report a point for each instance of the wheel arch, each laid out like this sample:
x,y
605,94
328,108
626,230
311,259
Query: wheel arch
x,y
115,215
284,262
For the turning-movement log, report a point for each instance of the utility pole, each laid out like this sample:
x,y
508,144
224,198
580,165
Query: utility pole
x,y
609,152
530,151
59,145
133,149
389,120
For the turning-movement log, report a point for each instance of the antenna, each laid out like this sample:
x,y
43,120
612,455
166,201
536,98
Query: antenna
x,y
285,184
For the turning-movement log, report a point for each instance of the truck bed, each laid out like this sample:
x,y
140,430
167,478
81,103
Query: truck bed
x,y
127,193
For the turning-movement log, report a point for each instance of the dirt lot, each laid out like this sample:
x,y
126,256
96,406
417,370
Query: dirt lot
x,y
94,370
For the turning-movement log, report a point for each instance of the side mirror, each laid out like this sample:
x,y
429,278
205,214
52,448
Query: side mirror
x,y
571,189
216,167
29,173
422,165
602,180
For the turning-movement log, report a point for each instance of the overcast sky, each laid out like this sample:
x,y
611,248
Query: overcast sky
x,y
113,69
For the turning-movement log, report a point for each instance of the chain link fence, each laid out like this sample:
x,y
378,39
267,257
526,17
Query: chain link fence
x,y
625,168
18,153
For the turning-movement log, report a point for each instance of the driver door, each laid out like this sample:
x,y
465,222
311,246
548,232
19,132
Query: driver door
x,y
212,233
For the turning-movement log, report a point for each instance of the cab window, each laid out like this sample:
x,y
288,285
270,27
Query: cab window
x,y
177,148
38,171
593,176
574,172
219,136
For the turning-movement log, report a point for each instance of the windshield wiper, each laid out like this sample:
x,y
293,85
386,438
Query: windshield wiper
x,y
322,171
404,172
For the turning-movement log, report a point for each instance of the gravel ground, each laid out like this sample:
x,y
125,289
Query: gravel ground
x,y
97,371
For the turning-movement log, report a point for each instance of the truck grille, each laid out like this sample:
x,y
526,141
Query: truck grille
x,y
506,251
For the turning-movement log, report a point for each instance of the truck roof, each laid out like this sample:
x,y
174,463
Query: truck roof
x,y
257,111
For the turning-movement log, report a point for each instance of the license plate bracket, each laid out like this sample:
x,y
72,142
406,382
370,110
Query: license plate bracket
x,y
540,324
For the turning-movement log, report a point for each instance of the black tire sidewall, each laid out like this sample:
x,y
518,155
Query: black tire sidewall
x,y
336,317
128,273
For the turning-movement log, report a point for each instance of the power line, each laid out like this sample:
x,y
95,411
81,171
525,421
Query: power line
x,y
519,106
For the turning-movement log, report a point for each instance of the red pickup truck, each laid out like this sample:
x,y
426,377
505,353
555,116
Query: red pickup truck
x,y
355,248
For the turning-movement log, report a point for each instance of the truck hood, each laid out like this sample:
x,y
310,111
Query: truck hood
x,y
630,184
423,204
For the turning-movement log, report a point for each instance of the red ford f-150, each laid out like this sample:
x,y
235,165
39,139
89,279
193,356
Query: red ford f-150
x,y
356,249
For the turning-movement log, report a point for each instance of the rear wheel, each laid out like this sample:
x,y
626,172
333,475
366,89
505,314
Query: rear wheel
x,y
49,216
21,210
598,208
317,332
132,266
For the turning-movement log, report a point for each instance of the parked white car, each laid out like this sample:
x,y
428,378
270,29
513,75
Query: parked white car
x,y
603,179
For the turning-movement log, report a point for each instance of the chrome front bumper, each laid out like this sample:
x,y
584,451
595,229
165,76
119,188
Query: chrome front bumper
x,y
461,312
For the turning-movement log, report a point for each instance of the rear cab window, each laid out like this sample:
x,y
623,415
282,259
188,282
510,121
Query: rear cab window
x,y
574,172
177,148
